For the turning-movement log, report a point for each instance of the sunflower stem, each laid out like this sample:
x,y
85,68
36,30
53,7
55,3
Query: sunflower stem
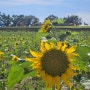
x,y
53,88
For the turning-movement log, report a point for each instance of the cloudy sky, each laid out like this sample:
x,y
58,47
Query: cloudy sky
x,y
44,8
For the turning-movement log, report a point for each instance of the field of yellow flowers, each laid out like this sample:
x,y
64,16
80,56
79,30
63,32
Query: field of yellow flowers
x,y
16,46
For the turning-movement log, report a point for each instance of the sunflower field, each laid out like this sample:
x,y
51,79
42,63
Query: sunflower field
x,y
48,59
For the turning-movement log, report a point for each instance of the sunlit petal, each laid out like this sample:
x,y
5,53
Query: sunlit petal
x,y
57,82
52,45
35,54
70,72
42,48
59,45
71,49
66,80
71,55
64,47
47,46
73,67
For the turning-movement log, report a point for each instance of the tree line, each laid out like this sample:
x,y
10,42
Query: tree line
x,y
30,20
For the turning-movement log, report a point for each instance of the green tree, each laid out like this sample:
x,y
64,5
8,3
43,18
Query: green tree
x,y
6,19
51,17
31,20
59,21
17,19
73,19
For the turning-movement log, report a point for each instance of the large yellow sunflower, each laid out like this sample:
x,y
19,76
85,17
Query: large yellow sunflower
x,y
53,63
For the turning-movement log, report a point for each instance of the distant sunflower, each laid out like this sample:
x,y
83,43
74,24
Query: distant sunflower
x,y
53,63
14,58
16,44
1,55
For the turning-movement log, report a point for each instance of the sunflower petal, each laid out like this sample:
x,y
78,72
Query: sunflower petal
x,y
42,48
64,46
66,80
57,82
59,45
42,72
52,45
35,54
71,55
71,60
38,74
47,46
71,49
70,72
35,66
72,67
31,59
47,79
52,82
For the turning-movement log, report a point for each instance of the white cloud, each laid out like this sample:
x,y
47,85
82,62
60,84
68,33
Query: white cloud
x,y
26,2
85,16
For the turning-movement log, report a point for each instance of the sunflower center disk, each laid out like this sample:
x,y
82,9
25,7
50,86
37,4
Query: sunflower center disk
x,y
54,62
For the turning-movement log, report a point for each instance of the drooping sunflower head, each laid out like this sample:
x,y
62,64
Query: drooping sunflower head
x,y
16,44
46,26
53,63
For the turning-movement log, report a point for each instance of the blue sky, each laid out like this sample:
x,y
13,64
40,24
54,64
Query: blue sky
x,y
44,8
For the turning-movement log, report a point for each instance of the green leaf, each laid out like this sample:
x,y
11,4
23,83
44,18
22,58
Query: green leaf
x,y
39,35
19,71
83,59
15,75
52,40
74,33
